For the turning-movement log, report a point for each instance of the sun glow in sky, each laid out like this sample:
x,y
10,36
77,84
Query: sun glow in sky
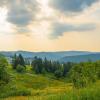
x,y
5,27
50,25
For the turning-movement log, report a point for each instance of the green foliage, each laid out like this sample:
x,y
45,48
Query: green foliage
x,y
20,69
58,73
97,68
21,60
14,62
18,60
83,74
14,92
58,69
3,62
4,77
47,65
66,68
84,94
37,65
45,87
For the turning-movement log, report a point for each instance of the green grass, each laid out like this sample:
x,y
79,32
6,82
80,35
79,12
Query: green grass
x,y
89,93
29,83
29,86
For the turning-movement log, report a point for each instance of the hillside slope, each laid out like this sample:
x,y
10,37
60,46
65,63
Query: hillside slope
x,y
81,58
45,88
48,55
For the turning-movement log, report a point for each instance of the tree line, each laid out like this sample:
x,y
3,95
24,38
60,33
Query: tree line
x,y
80,74
41,66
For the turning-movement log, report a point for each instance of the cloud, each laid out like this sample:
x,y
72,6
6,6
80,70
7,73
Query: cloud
x,y
3,2
23,30
58,29
20,12
71,6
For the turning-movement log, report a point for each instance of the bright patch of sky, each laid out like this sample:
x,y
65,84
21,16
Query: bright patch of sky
x,y
47,25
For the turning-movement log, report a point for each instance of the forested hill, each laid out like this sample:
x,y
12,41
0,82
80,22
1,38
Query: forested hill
x,y
81,58
62,56
48,55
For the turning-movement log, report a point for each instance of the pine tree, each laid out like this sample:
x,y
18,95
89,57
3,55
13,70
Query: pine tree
x,y
21,60
14,61
37,65
18,60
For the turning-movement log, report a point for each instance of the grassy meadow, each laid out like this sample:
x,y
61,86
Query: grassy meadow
x,y
30,86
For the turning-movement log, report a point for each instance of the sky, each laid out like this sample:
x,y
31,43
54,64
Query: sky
x,y
50,25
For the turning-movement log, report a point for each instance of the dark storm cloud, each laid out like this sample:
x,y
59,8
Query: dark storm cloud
x,y
20,12
71,6
58,29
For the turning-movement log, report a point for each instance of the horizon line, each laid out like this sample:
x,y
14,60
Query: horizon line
x,y
47,51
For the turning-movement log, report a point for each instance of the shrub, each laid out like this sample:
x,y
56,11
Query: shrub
x,y
21,92
4,76
15,92
58,74
83,74
20,69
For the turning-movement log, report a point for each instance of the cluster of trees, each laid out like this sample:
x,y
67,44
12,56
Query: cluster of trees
x,y
59,70
4,76
41,66
83,74
80,74
18,63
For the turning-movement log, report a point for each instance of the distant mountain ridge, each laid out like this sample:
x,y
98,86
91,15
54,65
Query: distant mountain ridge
x,y
48,55
63,56
81,58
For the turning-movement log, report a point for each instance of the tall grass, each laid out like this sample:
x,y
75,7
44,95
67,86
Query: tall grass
x,y
89,93
29,86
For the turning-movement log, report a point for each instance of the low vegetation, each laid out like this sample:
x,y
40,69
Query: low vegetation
x,y
4,76
48,80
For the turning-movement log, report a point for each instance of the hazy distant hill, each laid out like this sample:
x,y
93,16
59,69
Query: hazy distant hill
x,y
48,55
81,58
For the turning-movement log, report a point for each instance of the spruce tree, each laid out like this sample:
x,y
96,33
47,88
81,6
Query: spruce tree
x,y
21,60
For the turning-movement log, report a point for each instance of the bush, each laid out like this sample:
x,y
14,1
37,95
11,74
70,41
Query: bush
x,y
20,69
83,74
4,76
58,74
15,92
22,92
